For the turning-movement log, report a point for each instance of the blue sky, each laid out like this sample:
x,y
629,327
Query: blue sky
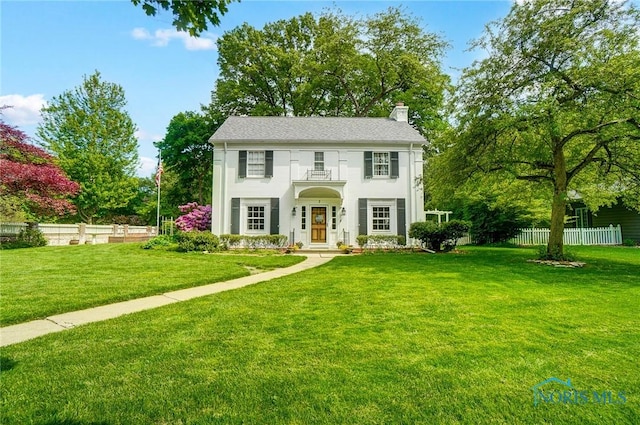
x,y
46,47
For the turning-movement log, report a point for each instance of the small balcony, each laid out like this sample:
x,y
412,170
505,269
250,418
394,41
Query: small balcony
x,y
318,175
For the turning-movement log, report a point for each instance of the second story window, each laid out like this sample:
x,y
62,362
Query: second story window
x,y
255,164
318,161
381,163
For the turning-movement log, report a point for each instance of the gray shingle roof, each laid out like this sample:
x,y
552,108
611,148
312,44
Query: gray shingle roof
x,y
315,129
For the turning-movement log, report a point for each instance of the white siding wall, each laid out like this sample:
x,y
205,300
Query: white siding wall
x,y
291,163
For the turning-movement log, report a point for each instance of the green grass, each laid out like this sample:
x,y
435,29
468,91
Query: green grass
x,y
39,282
372,339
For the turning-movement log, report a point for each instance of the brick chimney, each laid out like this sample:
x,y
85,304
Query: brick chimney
x,y
400,113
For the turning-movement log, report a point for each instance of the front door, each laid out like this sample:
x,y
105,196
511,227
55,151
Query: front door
x,y
318,224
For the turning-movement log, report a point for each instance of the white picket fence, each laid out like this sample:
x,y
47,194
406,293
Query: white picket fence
x,y
67,234
611,235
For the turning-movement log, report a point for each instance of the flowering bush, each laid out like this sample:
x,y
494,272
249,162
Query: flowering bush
x,y
196,217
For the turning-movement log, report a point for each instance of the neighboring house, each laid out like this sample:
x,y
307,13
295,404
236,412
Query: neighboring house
x,y
317,180
628,219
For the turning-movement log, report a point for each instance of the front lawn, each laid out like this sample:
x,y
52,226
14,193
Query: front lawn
x,y
39,282
371,339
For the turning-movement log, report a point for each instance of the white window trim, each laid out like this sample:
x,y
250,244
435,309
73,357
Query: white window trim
x,y
316,162
244,216
373,165
264,164
393,220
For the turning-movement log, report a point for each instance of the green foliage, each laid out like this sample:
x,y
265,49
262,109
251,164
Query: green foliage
x,y
141,209
434,235
554,103
254,242
629,242
193,17
197,241
186,151
381,241
334,65
494,223
31,237
93,137
163,242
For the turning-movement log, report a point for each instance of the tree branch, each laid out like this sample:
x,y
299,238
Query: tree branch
x,y
595,129
536,178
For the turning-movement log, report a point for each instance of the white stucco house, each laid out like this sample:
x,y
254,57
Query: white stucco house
x,y
317,180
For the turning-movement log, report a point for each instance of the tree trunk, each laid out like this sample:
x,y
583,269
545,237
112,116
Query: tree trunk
x,y
555,247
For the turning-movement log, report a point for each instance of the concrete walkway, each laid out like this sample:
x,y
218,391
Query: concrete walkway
x,y
29,330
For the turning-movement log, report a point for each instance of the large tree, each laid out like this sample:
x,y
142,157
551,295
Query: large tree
x,y
555,103
333,65
187,152
32,186
92,135
193,16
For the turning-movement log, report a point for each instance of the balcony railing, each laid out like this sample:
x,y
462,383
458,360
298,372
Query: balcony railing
x,y
318,175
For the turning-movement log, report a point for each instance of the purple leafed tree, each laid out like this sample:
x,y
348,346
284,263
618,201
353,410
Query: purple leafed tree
x,y
32,177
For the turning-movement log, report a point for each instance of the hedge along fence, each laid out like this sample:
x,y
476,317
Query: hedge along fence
x,y
381,241
253,242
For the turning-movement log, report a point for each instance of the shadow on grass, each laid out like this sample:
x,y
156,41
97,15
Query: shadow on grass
x,y
6,363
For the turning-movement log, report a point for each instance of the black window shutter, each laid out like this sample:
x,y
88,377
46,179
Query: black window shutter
x,y
395,169
275,216
402,220
235,216
242,164
362,216
268,163
368,164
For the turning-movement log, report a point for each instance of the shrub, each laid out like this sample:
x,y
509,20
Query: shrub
x,y
196,217
629,242
494,224
434,235
254,242
381,241
231,241
160,242
30,237
197,241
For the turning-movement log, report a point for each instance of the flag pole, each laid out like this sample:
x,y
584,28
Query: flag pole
x,y
158,181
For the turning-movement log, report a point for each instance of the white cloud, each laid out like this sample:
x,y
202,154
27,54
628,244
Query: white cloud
x,y
24,110
146,166
162,38
144,135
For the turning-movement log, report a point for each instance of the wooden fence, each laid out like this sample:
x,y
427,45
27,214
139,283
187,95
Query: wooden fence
x,y
72,234
611,235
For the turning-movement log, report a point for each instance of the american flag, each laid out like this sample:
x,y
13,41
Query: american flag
x,y
159,172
